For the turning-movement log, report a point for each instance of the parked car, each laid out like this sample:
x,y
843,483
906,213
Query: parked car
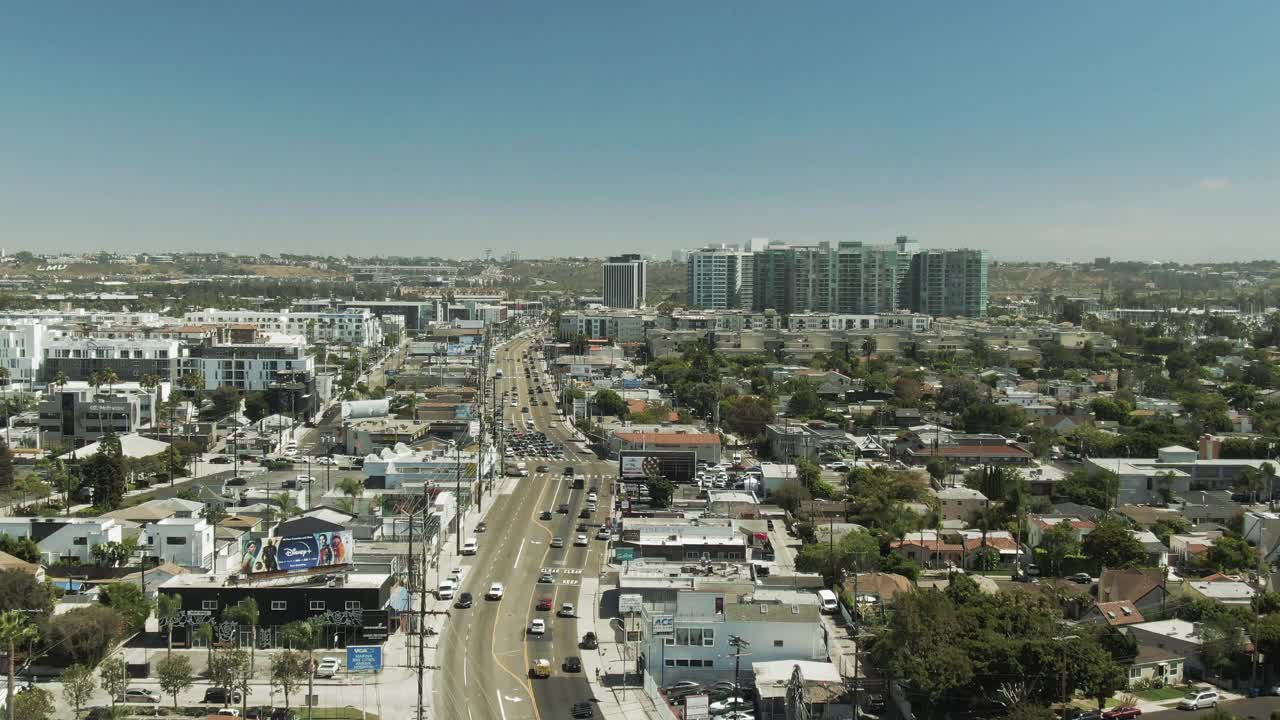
x,y
1122,713
221,696
283,714
1081,577
238,480
328,667
573,664
589,641
682,689
729,704
1197,699
139,695
546,515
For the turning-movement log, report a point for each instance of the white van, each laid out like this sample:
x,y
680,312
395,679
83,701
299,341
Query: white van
x,y
471,546
445,591
827,602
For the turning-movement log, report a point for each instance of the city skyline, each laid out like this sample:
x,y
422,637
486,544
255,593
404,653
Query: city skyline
x,y
1037,133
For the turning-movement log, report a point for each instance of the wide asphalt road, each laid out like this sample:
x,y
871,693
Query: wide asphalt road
x,y
486,651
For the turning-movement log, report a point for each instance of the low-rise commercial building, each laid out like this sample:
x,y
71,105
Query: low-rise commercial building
x,y
60,539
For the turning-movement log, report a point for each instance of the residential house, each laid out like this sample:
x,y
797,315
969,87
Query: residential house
x,y
1121,612
71,538
960,503
1156,665
1040,524
1176,638
1144,587
1231,593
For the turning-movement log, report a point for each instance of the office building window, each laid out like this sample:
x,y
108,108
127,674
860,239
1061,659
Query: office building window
x,y
175,541
317,604
209,605
777,643
279,605
354,605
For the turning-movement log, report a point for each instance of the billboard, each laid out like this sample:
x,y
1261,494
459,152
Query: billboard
x,y
364,657
297,553
674,465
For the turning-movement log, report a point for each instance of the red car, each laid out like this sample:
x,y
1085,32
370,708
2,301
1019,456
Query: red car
x,y
544,604
1121,713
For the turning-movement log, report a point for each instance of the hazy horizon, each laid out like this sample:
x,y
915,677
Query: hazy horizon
x,y
1038,132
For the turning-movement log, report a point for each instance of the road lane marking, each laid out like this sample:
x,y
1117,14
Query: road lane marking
x,y
501,709
518,552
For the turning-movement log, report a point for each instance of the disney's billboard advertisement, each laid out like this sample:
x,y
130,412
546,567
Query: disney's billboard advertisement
x,y
297,553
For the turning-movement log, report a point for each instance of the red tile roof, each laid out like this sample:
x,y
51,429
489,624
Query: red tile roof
x,y
654,438
1121,612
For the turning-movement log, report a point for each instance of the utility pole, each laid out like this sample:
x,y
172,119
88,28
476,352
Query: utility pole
x,y
740,647
422,593
457,489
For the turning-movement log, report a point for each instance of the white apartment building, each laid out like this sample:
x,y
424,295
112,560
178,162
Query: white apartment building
x,y
58,538
716,278
188,542
248,367
21,343
131,358
356,326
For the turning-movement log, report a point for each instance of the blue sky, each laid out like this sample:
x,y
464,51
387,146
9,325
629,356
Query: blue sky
x,y
1036,130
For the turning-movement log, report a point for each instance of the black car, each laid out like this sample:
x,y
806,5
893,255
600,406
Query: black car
x,y
481,526
573,664
583,710
464,601
542,468
582,527
238,481
221,696
568,471
546,515
220,460
283,714
589,641
564,509
585,514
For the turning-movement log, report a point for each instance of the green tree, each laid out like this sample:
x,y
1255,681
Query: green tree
x,y
661,490
224,668
608,402
288,670
33,704
854,552
84,635
746,415
78,686
15,631
6,465
306,635
1230,553
105,473
225,400
113,676
1112,545
804,402
168,605
246,613
789,496
256,406
127,599
176,675
1056,544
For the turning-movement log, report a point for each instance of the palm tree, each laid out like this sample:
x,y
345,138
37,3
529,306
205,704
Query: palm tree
x,y
61,380
167,608
110,378
204,633
306,634
246,613
4,377
14,631
869,346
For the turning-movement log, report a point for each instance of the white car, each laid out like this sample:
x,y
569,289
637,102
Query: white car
x,y
733,703
456,575
537,627
737,715
1197,699
328,667
304,479
580,541
471,546
566,610
495,591
326,461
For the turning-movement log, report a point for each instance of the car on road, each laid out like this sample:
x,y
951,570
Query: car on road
x,y
464,601
545,603
1081,577
546,515
583,710
326,461
568,471
481,527
541,668
566,610
1122,713
446,589
730,704
328,667
283,714
603,534
580,541
589,641
682,689
546,578
220,460
227,712
585,514
573,664
736,715
495,592
564,509
582,527
304,479
557,542
1197,699
238,480
537,627
220,696
542,468
139,695
471,546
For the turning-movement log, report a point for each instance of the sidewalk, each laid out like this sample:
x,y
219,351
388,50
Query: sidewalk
x,y
604,668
